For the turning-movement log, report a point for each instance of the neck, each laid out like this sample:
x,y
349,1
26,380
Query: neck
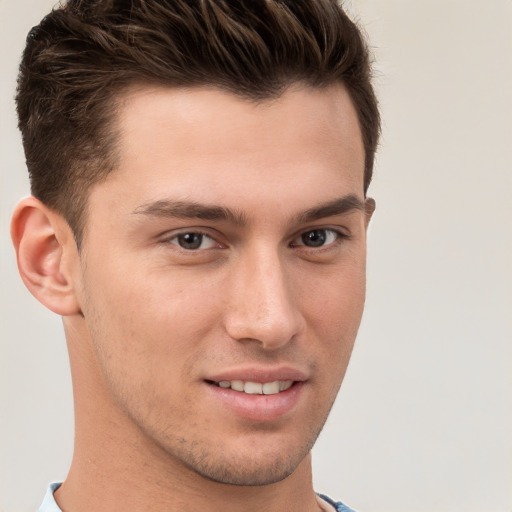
x,y
116,467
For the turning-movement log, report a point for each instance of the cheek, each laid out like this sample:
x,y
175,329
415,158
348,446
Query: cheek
x,y
146,335
153,315
335,300
334,310
135,315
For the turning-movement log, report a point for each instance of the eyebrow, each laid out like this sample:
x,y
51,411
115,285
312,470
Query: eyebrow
x,y
340,206
192,210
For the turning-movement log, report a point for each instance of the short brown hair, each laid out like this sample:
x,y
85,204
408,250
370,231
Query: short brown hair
x,y
85,53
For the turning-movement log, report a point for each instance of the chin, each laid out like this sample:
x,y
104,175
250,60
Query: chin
x,y
257,463
249,472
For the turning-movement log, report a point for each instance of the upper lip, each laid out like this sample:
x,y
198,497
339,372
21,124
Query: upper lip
x,y
258,374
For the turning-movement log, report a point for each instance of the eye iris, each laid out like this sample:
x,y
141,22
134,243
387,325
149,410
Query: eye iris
x,y
190,240
315,238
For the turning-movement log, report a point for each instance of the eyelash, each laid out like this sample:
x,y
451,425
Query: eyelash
x,y
202,234
338,237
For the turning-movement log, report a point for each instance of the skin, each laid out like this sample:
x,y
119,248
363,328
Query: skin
x,y
149,322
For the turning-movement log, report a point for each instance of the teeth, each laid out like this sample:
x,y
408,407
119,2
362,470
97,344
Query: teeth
x,y
253,388
237,385
285,384
270,388
257,388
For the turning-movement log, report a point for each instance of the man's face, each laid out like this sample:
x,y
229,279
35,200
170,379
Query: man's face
x,y
227,251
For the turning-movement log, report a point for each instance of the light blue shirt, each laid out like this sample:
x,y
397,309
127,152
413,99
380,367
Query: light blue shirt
x,y
49,504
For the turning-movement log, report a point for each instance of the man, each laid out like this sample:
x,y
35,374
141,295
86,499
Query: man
x,y
199,173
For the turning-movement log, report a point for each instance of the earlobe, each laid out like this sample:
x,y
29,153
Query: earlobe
x,y
44,249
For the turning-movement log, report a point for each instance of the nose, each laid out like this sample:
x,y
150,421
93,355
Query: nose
x,y
263,307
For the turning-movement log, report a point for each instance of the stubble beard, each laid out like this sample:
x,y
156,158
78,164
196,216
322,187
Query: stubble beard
x,y
228,468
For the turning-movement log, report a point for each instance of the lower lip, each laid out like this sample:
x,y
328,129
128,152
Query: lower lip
x,y
258,408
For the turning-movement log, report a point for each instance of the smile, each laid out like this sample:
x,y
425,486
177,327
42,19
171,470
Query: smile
x,y
256,388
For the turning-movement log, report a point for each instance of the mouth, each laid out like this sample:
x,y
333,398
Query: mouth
x,y
254,400
258,394
254,388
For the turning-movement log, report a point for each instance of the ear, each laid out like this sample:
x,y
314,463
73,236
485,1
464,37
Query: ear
x,y
369,208
45,252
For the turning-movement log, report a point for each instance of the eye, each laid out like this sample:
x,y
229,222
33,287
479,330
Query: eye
x,y
193,241
317,238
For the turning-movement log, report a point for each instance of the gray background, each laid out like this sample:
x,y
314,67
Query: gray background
x,y
424,419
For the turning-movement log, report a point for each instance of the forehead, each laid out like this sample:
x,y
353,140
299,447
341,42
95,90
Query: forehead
x,y
197,143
